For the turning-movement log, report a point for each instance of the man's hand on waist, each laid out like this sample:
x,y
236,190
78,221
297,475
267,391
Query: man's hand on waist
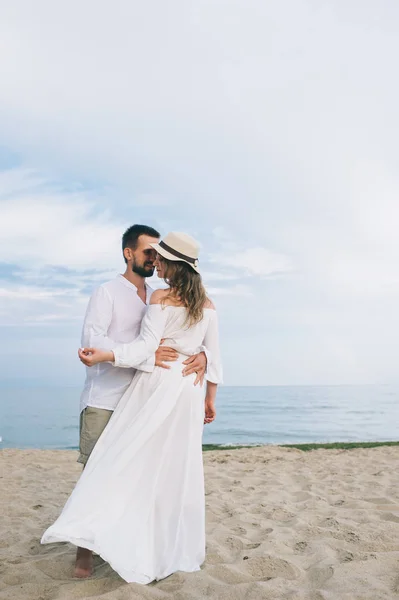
x,y
165,354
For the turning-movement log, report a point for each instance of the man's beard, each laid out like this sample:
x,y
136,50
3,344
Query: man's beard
x,y
146,270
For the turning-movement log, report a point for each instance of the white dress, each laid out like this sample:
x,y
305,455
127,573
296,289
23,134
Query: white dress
x,y
139,502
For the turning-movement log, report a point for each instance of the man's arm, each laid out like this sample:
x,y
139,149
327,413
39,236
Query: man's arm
x,y
163,355
97,320
95,331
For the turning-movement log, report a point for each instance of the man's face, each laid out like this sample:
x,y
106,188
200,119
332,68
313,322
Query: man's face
x,y
142,259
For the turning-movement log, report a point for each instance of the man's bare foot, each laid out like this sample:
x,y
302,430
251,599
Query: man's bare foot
x,y
84,563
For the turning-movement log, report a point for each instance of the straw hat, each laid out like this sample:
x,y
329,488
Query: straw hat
x,y
179,247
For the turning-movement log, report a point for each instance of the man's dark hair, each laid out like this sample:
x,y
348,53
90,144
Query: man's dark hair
x,y
131,236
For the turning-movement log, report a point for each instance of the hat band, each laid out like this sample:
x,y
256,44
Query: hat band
x,y
189,259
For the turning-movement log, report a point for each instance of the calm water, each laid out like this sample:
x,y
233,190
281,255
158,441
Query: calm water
x,y
44,417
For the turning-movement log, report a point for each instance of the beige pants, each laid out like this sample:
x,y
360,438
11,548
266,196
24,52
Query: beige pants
x,y
92,423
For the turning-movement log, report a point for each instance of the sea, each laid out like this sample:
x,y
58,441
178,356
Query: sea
x,y
36,416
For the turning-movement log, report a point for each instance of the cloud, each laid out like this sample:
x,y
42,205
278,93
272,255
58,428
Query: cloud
x,y
240,259
30,304
236,290
57,244
246,124
43,226
255,261
217,276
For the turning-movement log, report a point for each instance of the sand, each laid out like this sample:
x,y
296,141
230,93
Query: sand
x,y
281,523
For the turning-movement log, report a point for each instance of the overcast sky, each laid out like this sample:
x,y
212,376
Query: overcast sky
x,y
268,130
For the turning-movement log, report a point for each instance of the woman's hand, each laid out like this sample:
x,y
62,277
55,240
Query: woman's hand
x,y
210,411
92,356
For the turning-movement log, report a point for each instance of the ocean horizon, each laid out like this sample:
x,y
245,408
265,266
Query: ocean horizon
x,y
47,416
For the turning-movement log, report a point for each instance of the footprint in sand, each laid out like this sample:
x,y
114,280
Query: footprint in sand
x,y
351,536
171,584
36,591
302,496
37,548
258,509
329,523
280,514
224,550
389,517
238,493
319,575
239,530
300,547
314,596
214,558
257,535
234,544
14,577
345,556
229,574
95,587
378,500
264,568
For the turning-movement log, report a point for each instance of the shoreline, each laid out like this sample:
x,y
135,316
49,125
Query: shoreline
x,y
304,446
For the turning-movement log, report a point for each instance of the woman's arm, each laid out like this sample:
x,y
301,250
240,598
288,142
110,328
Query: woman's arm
x,y
134,353
214,374
211,342
210,410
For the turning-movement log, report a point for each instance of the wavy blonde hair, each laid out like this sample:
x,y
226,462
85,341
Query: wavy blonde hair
x,y
186,288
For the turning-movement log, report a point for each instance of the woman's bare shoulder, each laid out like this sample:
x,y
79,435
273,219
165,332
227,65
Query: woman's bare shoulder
x,y
209,304
158,295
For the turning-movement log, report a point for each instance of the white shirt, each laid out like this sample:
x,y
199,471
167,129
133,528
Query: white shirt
x,y
113,316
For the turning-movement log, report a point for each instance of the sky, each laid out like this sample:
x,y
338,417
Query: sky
x,y
267,130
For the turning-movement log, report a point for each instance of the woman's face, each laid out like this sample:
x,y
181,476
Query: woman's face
x,y
160,266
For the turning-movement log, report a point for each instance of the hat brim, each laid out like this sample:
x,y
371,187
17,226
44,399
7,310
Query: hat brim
x,y
172,257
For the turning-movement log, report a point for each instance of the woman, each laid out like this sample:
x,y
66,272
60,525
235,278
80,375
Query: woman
x,y
140,503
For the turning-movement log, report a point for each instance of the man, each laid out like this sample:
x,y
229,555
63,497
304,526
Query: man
x,y
114,315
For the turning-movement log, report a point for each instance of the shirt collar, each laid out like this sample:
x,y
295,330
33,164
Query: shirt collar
x,y
133,287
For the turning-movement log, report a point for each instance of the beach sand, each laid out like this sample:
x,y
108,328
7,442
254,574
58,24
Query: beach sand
x,y
281,523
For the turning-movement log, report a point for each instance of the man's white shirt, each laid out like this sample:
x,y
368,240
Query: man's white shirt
x,y
113,316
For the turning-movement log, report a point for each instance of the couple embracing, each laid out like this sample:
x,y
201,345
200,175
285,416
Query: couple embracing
x,y
139,502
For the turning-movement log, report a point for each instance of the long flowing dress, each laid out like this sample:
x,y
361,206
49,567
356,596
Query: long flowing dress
x,y
139,502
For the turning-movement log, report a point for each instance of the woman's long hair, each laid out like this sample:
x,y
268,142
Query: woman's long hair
x,y
186,288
